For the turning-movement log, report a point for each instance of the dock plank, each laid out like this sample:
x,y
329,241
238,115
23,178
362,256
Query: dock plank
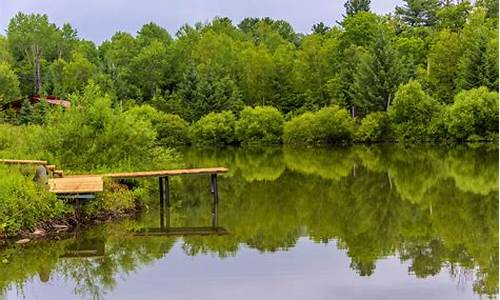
x,y
23,161
161,173
76,185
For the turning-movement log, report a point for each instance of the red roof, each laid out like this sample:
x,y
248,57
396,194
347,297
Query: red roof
x,y
52,100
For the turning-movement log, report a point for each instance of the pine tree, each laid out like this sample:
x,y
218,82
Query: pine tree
x,y
477,70
26,113
353,7
378,75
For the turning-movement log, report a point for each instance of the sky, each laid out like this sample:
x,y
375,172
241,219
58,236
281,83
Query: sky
x,y
98,20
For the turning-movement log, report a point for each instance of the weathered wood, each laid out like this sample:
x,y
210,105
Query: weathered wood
x,y
161,173
164,173
59,173
23,161
76,185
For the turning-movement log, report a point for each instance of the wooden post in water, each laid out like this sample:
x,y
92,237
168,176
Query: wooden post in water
x,y
162,219
215,206
167,200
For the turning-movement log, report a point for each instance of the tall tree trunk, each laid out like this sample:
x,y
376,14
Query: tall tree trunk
x,y
37,53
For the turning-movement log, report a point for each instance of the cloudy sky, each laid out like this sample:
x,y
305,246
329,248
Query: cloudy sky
x,y
97,20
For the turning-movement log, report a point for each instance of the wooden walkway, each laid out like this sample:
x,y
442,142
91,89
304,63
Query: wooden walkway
x,y
87,185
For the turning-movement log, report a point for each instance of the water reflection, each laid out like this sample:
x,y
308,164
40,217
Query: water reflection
x,y
433,208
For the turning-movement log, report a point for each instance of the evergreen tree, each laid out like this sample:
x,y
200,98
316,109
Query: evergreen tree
x,y
26,113
378,76
479,63
418,12
353,7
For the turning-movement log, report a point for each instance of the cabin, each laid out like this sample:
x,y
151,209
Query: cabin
x,y
17,105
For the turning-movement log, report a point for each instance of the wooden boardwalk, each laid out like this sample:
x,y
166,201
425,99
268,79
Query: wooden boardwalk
x,y
85,186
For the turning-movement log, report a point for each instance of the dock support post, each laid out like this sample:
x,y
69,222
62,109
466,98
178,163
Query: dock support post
x,y
215,206
167,201
162,218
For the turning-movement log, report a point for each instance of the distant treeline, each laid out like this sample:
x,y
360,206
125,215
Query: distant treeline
x,y
427,71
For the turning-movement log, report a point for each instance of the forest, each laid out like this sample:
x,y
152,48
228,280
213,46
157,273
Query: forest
x,y
427,72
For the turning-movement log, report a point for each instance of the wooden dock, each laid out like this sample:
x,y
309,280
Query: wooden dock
x,y
88,185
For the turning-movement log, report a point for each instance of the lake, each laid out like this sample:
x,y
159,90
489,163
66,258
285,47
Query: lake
x,y
360,222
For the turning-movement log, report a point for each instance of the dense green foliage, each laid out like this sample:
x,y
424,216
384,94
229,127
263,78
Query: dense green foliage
x,y
327,126
412,112
214,129
262,124
358,64
474,113
91,134
24,203
375,127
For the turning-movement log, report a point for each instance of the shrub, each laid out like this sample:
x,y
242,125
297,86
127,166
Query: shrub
x,y
213,129
30,146
24,203
327,126
411,112
474,112
262,124
374,127
171,130
91,135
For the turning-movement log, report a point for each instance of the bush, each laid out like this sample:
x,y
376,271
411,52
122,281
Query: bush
x,y
213,129
474,112
93,135
412,112
374,127
30,146
327,126
24,203
171,130
262,124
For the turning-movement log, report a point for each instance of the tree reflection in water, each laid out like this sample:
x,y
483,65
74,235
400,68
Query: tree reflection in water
x,y
434,207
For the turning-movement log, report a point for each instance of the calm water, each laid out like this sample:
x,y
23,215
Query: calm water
x,y
384,222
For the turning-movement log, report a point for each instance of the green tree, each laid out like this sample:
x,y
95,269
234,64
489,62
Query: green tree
x,y
214,129
473,113
412,111
31,40
117,55
26,113
353,7
149,69
443,59
418,12
77,73
377,77
9,84
453,16
260,125
329,125
153,32
479,63
375,127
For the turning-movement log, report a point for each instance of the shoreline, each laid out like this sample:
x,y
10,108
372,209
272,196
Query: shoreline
x,y
54,229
